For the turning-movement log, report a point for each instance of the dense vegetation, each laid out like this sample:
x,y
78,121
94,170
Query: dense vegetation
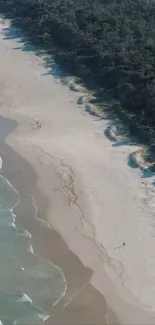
x,y
111,40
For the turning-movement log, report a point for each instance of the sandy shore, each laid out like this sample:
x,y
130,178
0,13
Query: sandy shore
x,y
95,200
82,304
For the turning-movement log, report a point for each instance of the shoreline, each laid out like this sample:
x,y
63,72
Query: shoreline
x,y
122,306
48,243
71,151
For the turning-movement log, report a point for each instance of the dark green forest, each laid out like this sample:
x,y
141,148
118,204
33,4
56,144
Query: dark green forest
x,y
111,41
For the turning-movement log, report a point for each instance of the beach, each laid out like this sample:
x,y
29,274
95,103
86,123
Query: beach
x,y
88,199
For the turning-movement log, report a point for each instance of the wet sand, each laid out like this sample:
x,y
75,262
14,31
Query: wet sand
x,y
87,305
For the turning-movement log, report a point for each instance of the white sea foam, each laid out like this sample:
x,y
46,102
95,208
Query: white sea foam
x,y
38,318
44,222
30,249
43,317
1,162
24,298
7,218
42,269
24,233
9,197
57,267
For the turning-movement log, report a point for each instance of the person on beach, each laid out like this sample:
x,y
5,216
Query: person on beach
x,y
38,124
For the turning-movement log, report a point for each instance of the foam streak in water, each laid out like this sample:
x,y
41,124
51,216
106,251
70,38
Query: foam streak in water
x,y
28,284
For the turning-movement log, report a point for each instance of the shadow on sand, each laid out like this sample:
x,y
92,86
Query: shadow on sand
x,y
121,129
14,33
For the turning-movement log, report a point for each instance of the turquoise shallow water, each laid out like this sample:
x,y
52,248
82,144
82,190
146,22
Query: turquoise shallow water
x,y
28,283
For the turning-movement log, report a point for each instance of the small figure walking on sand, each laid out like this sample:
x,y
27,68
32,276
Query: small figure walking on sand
x,y
123,244
38,124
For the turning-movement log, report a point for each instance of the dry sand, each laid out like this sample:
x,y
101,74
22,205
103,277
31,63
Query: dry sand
x,y
95,200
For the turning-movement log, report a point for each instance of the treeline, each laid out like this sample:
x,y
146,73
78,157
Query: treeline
x,y
111,40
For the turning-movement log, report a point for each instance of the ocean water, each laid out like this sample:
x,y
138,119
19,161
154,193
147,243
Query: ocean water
x,y
28,283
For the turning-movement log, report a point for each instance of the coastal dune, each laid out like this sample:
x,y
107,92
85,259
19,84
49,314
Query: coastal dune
x,y
98,204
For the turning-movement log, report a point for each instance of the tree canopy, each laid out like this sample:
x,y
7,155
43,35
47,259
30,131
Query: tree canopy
x,y
112,41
